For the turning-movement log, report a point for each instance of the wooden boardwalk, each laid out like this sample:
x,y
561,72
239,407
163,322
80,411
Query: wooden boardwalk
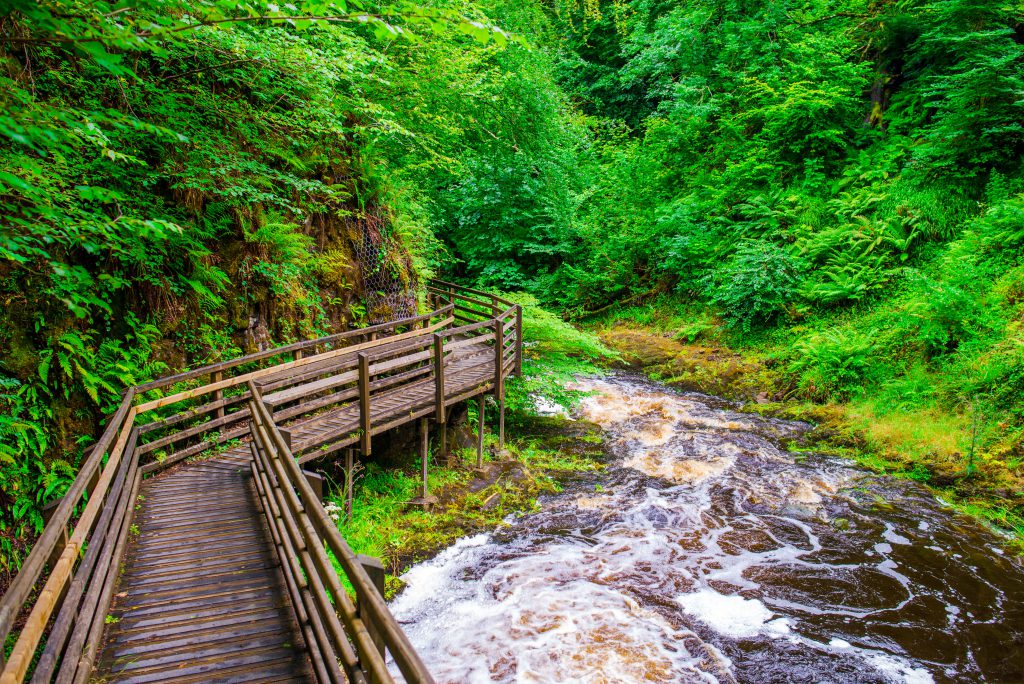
x,y
202,597
157,567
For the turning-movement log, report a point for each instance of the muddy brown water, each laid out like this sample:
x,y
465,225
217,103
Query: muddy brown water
x,y
708,553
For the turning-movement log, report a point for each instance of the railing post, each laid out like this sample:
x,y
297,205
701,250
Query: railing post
x,y
519,341
375,569
219,394
499,378
480,424
350,476
364,403
439,396
316,482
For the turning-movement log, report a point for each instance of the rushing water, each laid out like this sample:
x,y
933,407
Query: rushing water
x,y
710,554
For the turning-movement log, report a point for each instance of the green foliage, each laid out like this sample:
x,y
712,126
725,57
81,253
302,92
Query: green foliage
x,y
833,365
181,180
173,171
757,284
554,353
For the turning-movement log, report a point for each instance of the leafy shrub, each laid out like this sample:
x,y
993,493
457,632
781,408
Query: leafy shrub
x,y
833,365
756,285
554,353
946,315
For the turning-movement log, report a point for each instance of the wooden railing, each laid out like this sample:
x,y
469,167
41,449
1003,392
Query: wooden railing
x,y
64,587
347,641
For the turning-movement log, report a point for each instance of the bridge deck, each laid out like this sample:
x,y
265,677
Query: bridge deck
x,y
201,598
470,368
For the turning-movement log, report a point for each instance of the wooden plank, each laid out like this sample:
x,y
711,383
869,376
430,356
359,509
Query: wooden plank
x,y
296,393
193,431
242,379
194,450
477,341
194,412
435,282
278,351
203,590
364,403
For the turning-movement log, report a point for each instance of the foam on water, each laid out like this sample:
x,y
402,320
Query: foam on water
x,y
732,616
709,554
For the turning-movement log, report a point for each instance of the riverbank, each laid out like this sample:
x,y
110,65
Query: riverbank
x,y
718,545
952,452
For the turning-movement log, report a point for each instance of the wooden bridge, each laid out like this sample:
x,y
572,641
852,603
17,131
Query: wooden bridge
x,y
193,547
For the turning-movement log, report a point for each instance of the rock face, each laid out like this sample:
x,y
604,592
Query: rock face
x,y
344,268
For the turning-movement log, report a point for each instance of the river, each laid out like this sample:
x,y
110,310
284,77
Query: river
x,y
707,552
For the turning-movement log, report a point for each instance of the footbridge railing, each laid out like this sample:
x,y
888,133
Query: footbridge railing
x,y
358,634
57,604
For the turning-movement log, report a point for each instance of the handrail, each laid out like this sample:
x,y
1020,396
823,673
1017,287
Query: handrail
x,y
277,351
493,297
77,587
300,515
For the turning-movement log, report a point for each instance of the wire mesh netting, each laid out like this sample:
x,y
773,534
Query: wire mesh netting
x,y
389,296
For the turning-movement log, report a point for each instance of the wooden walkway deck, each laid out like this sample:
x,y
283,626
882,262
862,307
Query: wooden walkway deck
x,y
202,597
156,567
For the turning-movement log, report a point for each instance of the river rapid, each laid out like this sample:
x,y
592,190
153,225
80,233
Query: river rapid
x,y
709,553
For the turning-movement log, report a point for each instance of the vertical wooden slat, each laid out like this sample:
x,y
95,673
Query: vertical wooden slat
x,y
219,394
480,424
440,413
519,341
364,403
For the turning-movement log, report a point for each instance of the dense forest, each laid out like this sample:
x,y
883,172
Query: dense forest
x,y
832,186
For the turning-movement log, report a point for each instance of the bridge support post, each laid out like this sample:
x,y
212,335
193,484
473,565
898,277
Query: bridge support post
x,y
424,498
480,424
501,423
499,379
349,477
443,446
441,414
